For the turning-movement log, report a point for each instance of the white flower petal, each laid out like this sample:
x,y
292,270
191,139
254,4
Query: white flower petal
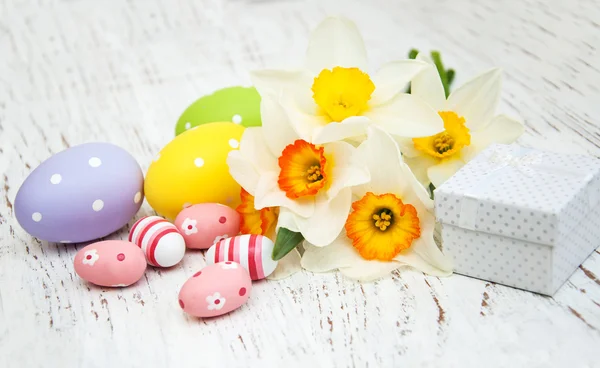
x,y
384,162
393,78
407,147
273,83
243,171
287,266
335,42
428,86
351,127
286,219
477,99
278,133
305,125
245,164
268,194
340,253
343,256
406,116
348,170
425,256
441,172
370,270
391,175
328,219
502,129
419,166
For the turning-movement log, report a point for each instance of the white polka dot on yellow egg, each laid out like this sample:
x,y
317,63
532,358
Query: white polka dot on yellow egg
x,y
233,143
199,162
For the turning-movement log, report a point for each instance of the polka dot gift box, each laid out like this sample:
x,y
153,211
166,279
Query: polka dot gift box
x,y
521,217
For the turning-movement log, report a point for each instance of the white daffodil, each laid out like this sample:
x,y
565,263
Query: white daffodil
x,y
310,184
333,98
390,225
469,123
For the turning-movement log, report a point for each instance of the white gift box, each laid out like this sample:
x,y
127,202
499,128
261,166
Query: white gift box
x,y
521,217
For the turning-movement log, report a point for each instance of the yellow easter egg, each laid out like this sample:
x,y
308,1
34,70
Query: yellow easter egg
x,y
192,169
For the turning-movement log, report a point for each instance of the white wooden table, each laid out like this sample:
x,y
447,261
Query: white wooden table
x,y
123,71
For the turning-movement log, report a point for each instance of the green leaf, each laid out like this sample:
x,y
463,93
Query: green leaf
x,y
450,76
286,241
431,189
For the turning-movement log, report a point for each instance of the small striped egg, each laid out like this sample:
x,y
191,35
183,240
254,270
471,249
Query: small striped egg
x,y
159,239
253,252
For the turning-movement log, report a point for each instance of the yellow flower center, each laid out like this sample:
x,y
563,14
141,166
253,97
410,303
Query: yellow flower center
x,y
381,226
342,92
303,169
450,141
253,221
383,220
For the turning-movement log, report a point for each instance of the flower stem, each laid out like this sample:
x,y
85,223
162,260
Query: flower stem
x,y
437,60
285,242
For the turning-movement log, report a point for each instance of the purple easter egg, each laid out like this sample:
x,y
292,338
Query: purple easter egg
x,y
80,194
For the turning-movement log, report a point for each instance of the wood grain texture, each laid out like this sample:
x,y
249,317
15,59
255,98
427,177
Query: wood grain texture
x,y
122,71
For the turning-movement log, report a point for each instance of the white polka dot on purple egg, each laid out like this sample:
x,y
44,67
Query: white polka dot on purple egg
x,y
36,216
95,162
56,179
137,198
98,205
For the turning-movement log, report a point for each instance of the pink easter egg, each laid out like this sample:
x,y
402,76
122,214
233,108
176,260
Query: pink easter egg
x,y
115,263
202,225
253,252
215,290
159,240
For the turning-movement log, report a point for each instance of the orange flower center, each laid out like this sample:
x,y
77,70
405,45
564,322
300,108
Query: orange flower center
x,y
303,169
253,221
382,226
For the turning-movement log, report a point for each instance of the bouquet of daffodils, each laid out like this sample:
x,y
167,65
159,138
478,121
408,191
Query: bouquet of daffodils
x,y
342,172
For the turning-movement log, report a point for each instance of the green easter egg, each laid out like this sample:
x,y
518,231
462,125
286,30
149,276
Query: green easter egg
x,y
240,105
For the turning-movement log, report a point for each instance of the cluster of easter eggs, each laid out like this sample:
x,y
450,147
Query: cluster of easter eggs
x,y
92,190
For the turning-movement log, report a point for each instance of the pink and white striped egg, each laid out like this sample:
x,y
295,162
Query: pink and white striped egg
x,y
159,239
253,252
215,290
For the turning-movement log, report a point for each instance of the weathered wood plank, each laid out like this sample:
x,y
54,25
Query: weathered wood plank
x,y
73,72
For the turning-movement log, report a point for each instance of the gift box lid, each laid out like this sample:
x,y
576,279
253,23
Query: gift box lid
x,y
521,193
